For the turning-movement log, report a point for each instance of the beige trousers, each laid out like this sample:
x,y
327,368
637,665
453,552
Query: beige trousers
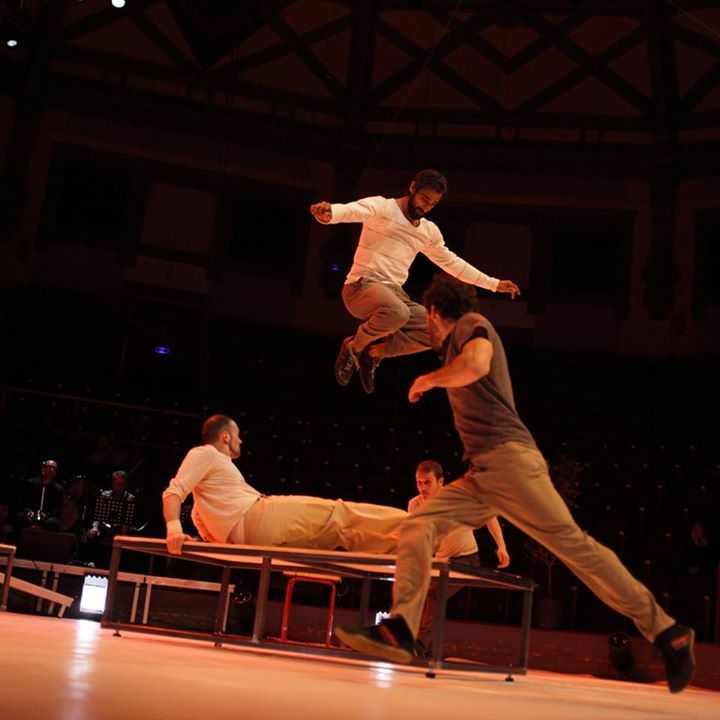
x,y
389,315
313,522
513,481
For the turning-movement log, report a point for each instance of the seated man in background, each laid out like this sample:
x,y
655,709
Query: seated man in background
x,y
115,510
229,510
41,498
460,544
114,513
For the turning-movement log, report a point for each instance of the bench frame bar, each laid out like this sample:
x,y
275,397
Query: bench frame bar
x,y
9,552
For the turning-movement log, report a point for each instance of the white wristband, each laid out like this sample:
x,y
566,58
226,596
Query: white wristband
x,y
174,527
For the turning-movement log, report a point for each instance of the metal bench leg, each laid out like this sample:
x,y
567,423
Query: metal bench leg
x,y
6,583
331,615
438,628
262,596
526,619
289,590
109,611
221,606
364,601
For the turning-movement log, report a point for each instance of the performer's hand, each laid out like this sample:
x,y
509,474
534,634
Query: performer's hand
x,y
509,287
503,557
322,212
175,542
419,388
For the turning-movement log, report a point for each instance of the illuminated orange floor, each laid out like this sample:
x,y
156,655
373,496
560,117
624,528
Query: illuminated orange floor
x,y
73,670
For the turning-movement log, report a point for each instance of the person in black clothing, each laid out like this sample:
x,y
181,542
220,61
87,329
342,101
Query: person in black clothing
x,y
41,496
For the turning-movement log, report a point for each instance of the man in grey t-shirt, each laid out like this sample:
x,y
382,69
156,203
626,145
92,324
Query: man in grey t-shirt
x,y
508,476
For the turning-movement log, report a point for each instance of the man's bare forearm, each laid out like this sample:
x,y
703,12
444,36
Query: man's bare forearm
x,y
495,530
171,508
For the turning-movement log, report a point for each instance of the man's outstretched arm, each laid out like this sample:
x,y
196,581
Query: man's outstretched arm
x,y
192,470
472,364
357,211
454,265
175,535
493,526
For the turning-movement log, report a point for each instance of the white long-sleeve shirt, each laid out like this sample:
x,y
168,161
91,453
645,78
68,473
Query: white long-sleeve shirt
x,y
389,243
455,544
221,494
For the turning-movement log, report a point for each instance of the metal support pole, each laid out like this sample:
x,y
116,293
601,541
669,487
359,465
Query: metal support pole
x,y
109,612
6,584
526,618
438,629
222,605
262,596
364,601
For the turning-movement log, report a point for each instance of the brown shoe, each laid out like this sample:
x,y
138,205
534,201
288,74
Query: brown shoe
x,y
345,363
367,365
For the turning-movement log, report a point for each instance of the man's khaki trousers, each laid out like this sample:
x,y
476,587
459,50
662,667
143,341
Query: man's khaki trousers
x,y
513,481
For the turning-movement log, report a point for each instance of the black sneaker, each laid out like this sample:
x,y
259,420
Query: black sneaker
x,y
367,366
676,645
391,639
345,363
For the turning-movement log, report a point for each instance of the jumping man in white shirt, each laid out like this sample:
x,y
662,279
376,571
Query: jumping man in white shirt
x,y
394,231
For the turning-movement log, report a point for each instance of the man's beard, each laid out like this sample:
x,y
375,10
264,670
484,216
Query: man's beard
x,y
413,211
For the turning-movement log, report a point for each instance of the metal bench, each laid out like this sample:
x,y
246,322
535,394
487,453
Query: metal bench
x,y
363,566
7,556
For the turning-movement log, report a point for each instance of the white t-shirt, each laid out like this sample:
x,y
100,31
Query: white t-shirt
x,y
389,243
456,543
221,494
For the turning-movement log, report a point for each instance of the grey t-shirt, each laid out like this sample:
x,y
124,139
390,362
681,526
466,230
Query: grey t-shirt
x,y
484,411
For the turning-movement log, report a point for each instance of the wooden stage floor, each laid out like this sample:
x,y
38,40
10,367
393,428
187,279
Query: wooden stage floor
x,y
73,670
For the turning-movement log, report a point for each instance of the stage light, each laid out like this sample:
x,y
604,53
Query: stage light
x,y
118,4
93,595
16,27
162,350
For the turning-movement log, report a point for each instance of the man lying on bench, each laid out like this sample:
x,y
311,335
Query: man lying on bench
x,y
229,510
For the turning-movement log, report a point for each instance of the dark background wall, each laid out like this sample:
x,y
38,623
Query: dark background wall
x,y
157,165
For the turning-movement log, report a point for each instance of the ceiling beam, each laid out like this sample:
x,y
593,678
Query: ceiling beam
x,y
572,79
158,38
432,59
103,18
598,66
304,52
275,52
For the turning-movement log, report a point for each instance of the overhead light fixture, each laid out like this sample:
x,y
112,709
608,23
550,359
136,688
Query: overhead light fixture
x,y
15,26
118,4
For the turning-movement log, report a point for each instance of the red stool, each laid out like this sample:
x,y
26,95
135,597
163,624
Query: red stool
x,y
296,577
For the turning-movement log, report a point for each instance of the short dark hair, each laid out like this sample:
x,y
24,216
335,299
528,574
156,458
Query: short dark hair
x,y
450,297
213,426
430,466
432,179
